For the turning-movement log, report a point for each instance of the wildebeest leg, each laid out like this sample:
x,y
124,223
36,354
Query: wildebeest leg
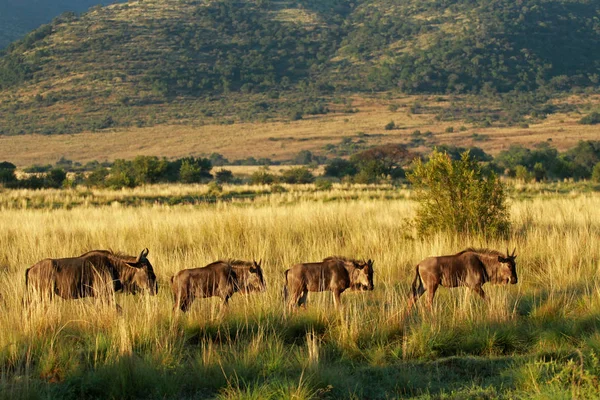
x,y
302,299
430,294
479,291
336,298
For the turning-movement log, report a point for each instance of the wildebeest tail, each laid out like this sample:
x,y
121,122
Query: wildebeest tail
x,y
417,288
25,299
285,287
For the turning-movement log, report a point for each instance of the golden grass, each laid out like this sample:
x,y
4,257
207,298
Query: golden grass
x,y
281,140
557,266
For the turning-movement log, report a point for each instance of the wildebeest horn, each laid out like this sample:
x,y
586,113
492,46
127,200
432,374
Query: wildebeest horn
x,y
143,254
513,253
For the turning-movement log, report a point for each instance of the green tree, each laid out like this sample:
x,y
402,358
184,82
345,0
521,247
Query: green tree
x,y
297,175
7,174
262,177
596,173
190,172
456,196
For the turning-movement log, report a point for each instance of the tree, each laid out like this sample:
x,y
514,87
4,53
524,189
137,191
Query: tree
x,y
262,177
339,168
382,161
596,173
224,176
297,175
190,172
7,174
55,178
148,170
456,196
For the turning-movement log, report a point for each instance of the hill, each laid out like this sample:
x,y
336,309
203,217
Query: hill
x,y
157,62
17,18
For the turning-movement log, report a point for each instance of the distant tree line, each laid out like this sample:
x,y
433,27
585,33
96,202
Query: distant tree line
x,y
373,165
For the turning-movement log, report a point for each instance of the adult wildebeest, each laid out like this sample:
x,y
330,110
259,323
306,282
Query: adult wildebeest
x,y
221,278
97,273
334,273
470,267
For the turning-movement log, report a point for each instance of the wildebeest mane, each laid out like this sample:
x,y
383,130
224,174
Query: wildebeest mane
x,y
483,252
339,258
238,263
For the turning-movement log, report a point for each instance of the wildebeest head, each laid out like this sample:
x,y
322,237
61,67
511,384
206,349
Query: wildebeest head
x,y
143,278
507,273
255,281
363,278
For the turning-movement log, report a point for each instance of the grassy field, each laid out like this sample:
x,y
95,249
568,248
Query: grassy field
x,y
282,140
537,339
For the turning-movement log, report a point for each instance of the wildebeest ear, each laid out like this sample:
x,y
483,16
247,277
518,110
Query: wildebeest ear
x,y
134,264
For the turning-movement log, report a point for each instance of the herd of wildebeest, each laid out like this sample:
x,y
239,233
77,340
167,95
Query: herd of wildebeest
x,y
101,273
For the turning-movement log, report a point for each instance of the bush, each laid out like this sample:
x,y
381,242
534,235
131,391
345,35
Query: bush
x,y
7,174
262,177
339,168
297,175
390,125
456,196
522,174
224,176
323,184
596,173
55,178
190,172
591,119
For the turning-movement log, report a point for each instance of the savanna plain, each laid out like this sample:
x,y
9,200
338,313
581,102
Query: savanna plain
x,y
537,339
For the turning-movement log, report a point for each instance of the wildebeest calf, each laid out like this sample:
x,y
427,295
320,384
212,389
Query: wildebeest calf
x,y
220,278
98,273
334,273
470,267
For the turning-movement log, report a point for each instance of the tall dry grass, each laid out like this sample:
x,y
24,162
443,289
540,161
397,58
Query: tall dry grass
x,y
253,350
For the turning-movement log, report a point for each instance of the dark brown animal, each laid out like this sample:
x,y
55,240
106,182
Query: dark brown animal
x,y
98,273
470,267
334,273
220,278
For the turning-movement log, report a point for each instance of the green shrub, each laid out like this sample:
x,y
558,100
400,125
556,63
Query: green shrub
x,y
596,173
297,175
522,173
339,168
323,184
224,176
262,177
456,196
591,119
390,125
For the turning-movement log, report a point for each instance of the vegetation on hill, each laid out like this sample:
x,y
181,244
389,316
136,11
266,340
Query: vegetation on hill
x,y
120,65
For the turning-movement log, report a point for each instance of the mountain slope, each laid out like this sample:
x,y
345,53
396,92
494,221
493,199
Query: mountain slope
x,y
243,59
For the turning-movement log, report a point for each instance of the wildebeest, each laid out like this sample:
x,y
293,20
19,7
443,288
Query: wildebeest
x,y
334,273
97,273
471,268
221,278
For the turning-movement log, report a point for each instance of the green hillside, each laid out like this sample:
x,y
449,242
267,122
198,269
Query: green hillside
x,y
153,61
